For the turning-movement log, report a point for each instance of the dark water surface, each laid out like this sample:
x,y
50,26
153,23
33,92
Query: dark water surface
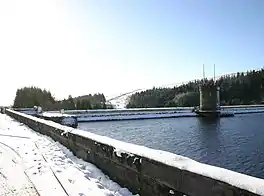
x,y
235,143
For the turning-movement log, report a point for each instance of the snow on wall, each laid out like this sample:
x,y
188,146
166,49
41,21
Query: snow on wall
x,y
51,114
129,114
249,183
133,117
236,179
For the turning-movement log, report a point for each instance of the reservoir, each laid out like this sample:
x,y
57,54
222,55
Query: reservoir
x,y
235,143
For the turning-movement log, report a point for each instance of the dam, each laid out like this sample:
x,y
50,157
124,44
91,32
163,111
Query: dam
x,y
144,170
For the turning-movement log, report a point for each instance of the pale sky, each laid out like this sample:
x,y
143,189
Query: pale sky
x,y
79,47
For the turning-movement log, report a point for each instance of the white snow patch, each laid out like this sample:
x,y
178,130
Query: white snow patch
x,y
119,153
53,114
135,159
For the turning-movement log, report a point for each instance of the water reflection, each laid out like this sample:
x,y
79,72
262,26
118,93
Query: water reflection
x,y
209,123
210,144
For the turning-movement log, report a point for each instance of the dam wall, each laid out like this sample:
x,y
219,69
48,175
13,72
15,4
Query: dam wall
x,y
143,170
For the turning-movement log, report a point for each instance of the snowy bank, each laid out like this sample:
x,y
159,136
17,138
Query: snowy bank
x,y
51,168
144,170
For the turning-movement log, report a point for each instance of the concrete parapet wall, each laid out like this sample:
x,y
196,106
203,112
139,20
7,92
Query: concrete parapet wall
x,y
143,170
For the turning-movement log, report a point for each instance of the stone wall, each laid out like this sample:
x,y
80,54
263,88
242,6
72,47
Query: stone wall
x,y
208,97
143,175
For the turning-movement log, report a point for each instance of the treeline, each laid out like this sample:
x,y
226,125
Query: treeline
x,y
29,97
32,96
241,88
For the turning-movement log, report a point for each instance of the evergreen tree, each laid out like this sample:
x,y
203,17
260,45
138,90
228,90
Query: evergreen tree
x,y
240,88
78,105
71,104
33,96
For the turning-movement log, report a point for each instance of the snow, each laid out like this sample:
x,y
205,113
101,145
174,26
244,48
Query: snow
x,y
119,152
150,113
103,115
144,113
51,167
127,110
68,121
10,184
52,114
248,111
133,117
120,102
242,181
244,106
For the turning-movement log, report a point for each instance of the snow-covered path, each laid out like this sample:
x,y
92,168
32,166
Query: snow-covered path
x,y
48,166
10,171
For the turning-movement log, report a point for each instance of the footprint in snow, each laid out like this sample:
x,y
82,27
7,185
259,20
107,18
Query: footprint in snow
x,y
14,161
71,181
69,161
3,175
109,194
100,186
87,176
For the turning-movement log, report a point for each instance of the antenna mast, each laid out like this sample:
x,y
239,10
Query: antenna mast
x,y
203,72
214,72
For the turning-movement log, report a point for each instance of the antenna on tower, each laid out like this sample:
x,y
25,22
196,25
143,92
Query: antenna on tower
x,y
203,72
214,72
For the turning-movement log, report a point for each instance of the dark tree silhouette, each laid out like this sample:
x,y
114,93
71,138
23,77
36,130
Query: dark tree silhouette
x,y
238,89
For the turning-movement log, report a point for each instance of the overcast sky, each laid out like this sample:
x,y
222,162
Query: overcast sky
x,y
79,47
